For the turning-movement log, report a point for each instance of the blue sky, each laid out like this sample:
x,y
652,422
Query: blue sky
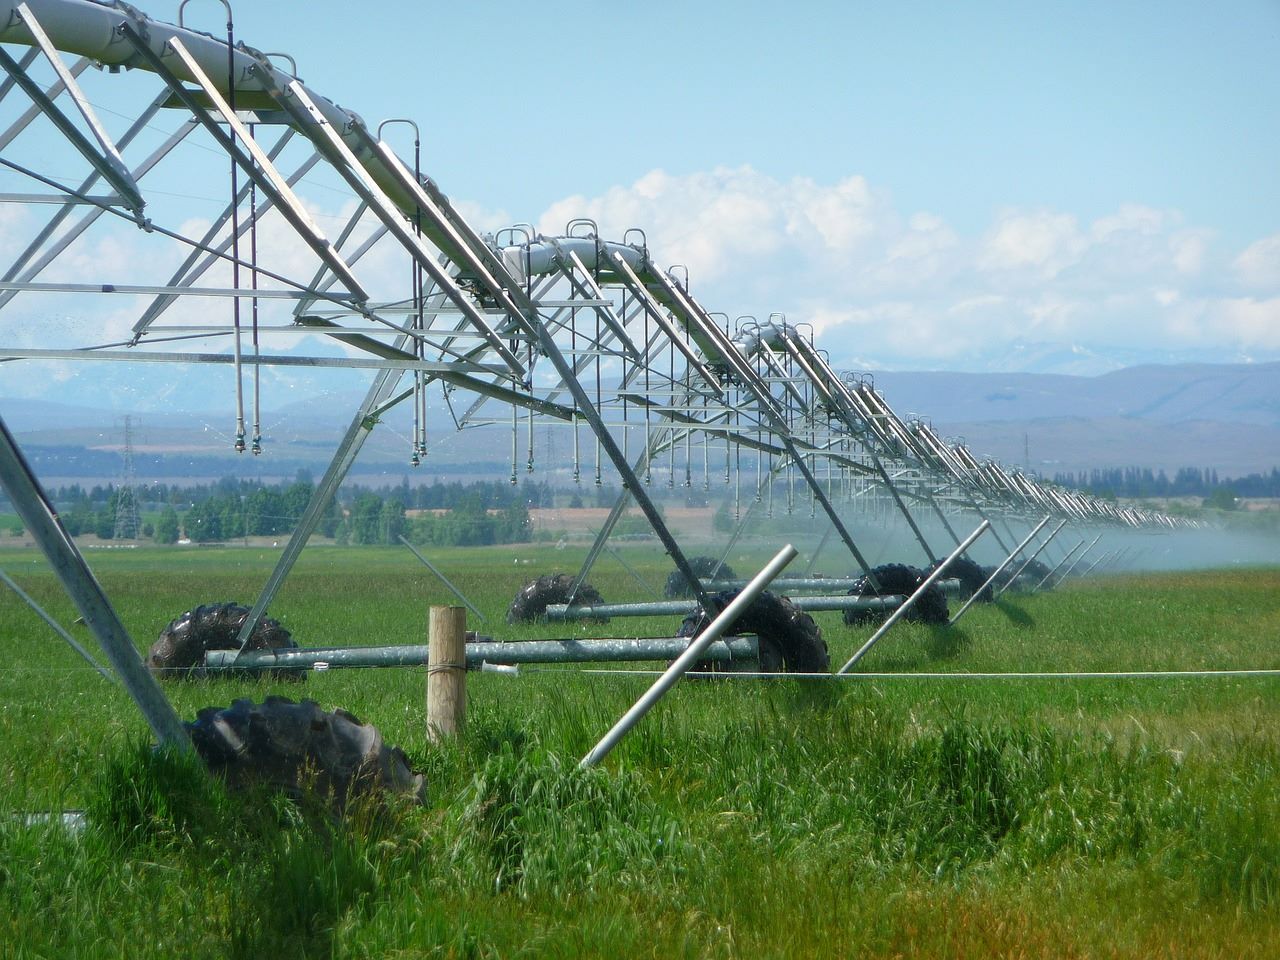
x,y
1001,126
959,109
977,186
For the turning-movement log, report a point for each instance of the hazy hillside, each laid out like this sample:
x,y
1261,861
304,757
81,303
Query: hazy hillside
x,y
1238,393
1164,417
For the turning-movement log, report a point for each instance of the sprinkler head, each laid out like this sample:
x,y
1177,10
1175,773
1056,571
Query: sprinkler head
x,y
257,446
413,460
239,443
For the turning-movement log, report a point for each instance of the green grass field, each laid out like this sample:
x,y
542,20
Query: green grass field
x,y
886,818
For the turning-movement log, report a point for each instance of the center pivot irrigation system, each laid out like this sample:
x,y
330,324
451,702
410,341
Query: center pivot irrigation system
x,y
515,328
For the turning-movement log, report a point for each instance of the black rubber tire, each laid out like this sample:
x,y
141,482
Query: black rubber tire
x,y
790,641
301,750
1005,575
971,576
706,568
1037,569
901,580
179,651
535,596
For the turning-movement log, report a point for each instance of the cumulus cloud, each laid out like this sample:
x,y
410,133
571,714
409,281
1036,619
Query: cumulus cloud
x,y
903,288
716,221
1258,265
1032,245
882,286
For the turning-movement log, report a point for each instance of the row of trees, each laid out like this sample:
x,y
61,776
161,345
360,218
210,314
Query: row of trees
x,y
231,510
1138,482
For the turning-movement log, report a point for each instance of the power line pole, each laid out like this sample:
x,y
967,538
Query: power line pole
x,y
127,526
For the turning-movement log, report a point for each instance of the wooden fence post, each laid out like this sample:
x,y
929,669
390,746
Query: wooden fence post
x,y
446,672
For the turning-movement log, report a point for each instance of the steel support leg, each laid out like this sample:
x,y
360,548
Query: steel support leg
x,y
1069,554
998,570
1076,562
910,601
1056,530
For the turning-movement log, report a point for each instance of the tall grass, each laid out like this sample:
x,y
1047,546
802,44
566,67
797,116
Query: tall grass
x,y
893,818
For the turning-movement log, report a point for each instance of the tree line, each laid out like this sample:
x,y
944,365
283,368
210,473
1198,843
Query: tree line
x,y
1143,483
456,514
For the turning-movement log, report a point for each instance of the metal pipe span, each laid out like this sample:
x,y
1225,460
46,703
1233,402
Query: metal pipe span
x,y
621,650
681,608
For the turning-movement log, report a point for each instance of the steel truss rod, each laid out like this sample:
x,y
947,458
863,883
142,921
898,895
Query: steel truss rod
x,y
1026,563
307,114
443,579
695,316
615,514
1067,556
168,290
525,311
69,206
105,160
380,398
1076,562
794,347
255,164
910,601
189,271
56,627
151,227
998,570
323,279
133,355
7,85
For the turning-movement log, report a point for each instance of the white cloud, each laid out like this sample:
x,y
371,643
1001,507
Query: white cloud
x,y
1255,324
882,286
1258,265
1045,243
909,289
1189,248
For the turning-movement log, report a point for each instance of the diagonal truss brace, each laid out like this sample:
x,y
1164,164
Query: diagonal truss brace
x,y
303,109
255,164
105,158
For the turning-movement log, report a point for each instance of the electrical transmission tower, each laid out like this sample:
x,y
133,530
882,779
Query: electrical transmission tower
x,y
128,526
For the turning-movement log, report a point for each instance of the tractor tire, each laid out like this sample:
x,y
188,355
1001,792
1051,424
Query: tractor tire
x,y
535,596
790,641
301,750
1037,571
179,651
678,586
898,579
1005,575
971,576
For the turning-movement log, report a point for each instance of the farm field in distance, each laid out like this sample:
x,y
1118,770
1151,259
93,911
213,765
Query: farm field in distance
x,y
872,817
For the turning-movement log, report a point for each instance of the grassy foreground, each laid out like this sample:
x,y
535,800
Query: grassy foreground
x,y
896,817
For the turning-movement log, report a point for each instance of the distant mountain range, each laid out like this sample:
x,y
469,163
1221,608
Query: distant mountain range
x,y
1224,416
1240,394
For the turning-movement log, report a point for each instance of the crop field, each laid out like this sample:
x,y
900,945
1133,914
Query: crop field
x,y
894,817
